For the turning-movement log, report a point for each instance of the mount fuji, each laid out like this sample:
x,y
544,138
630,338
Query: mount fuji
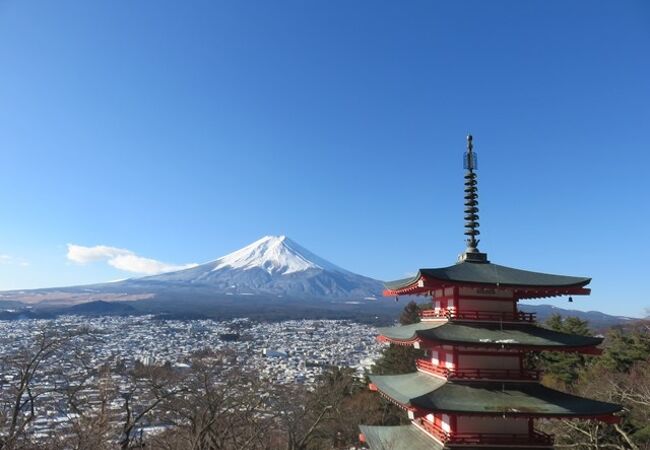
x,y
273,266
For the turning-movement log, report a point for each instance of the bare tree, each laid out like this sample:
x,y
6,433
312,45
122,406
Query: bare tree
x,y
630,389
328,416
222,407
19,390
147,389
89,395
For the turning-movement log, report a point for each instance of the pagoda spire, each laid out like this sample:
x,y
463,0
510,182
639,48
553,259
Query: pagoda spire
x,y
470,164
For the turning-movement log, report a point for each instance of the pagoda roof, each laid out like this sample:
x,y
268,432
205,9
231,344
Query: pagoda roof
x,y
411,437
403,437
486,398
488,274
403,388
487,334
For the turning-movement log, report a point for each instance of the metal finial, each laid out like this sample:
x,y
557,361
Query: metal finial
x,y
470,163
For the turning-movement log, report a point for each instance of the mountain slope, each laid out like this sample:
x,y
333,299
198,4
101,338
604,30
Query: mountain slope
x,y
275,254
273,266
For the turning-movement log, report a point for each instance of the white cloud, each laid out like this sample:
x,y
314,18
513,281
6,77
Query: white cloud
x,y
121,259
84,255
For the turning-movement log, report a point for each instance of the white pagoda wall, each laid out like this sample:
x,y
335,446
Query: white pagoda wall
x,y
442,357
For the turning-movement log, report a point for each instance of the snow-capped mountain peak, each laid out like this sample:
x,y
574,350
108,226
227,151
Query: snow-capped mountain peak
x,y
275,255
272,266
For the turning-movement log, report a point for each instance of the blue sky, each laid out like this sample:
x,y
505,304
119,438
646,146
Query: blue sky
x,y
180,131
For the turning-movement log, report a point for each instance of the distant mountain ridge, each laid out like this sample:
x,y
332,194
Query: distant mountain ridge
x,y
269,276
596,319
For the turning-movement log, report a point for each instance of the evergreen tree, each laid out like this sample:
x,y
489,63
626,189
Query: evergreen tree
x,y
410,314
564,368
396,359
626,346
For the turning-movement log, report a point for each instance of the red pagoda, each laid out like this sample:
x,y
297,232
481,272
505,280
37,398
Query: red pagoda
x,y
472,389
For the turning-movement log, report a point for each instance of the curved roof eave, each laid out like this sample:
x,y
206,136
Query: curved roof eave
x,y
429,393
488,334
490,274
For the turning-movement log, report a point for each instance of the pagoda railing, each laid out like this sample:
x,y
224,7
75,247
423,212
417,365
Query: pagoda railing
x,y
436,430
428,366
496,316
470,373
448,437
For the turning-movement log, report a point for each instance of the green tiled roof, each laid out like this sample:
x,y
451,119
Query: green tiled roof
x,y
405,437
489,334
488,273
408,332
410,437
403,388
487,397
